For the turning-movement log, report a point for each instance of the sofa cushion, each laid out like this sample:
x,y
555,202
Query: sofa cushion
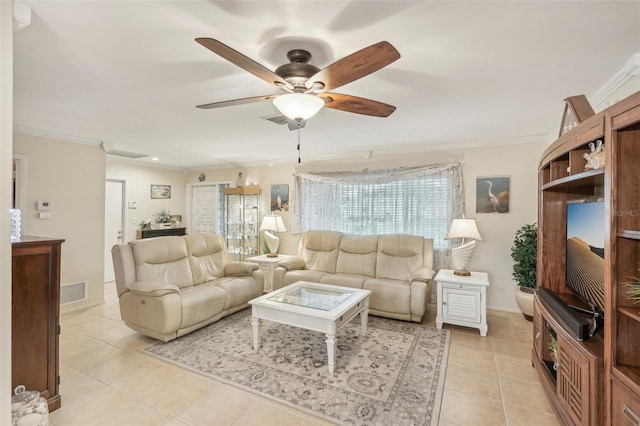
x,y
199,303
399,256
207,256
302,275
388,295
162,260
344,280
357,255
320,250
239,289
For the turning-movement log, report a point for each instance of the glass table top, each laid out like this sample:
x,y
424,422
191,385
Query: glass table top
x,y
314,298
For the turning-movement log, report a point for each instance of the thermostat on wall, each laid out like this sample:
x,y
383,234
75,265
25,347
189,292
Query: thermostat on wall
x,y
44,205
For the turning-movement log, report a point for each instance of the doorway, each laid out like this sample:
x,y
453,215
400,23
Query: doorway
x,y
113,222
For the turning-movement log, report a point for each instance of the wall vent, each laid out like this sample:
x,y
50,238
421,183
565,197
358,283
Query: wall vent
x,y
73,292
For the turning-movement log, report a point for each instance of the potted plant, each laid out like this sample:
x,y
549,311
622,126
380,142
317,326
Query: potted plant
x,y
553,350
633,289
525,262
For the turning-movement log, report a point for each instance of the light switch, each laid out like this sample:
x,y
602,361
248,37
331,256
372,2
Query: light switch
x,y
45,215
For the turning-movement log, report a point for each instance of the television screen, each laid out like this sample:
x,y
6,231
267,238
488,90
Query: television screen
x,y
585,251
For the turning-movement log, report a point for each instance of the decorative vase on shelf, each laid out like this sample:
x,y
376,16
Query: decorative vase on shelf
x,y
240,181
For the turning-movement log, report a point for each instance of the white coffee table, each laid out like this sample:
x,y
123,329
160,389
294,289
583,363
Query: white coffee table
x,y
312,306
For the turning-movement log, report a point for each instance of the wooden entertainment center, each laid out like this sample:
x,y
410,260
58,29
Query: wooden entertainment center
x,y
595,381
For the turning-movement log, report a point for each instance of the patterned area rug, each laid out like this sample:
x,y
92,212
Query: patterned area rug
x,y
392,376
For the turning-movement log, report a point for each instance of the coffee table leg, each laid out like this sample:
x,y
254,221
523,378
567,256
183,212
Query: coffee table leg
x,y
364,320
331,350
255,322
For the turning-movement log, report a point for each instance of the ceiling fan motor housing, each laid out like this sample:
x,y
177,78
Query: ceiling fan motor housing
x,y
299,70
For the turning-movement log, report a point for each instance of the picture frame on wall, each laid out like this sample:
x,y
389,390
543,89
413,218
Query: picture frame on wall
x,y
492,194
161,192
280,198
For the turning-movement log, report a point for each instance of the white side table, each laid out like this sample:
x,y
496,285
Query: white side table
x,y
267,266
462,300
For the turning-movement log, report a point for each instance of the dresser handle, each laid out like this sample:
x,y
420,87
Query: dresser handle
x,y
629,414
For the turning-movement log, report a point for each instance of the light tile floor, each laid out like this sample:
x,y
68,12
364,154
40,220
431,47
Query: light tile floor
x,y
105,380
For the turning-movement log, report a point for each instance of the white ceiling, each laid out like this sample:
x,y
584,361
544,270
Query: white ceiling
x,y
129,73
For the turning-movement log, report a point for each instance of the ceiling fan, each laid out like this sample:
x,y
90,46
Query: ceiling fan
x,y
306,86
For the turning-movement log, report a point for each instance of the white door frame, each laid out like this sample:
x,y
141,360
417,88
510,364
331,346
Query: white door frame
x,y
123,212
21,188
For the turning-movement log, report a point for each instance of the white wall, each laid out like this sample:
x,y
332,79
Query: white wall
x,y
71,177
520,162
138,189
6,158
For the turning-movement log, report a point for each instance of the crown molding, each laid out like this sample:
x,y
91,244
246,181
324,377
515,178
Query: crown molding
x,y
628,70
65,137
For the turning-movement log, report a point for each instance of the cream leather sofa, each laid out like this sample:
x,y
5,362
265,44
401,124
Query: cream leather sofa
x,y
398,269
171,286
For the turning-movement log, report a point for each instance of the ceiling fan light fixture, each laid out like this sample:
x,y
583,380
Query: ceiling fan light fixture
x,y
298,106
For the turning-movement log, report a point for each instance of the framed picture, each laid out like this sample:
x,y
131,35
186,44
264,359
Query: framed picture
x,y
279,198
160,192
492,194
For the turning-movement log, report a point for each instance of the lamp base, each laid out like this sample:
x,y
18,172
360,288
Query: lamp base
x,y
272,254
462,273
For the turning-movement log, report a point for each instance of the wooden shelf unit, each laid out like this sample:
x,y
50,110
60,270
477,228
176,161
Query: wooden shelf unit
x,y
608,364
623,315
35,316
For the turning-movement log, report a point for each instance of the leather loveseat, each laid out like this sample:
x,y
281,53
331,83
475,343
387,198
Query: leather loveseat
x,y
398,269
171,286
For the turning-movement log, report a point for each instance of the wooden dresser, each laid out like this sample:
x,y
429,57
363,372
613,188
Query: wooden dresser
x,y
35,312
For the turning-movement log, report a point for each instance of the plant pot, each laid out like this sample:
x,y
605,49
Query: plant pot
x,y
524,299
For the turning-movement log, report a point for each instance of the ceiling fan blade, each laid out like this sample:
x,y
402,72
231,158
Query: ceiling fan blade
x,y
355,66
237,102
295,125
357,105
244,62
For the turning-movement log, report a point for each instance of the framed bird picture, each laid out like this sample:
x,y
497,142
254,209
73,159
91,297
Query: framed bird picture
x,y
492,194
280,198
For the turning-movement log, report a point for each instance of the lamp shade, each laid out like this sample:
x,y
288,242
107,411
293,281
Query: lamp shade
x,y
272,223
463,228
298,106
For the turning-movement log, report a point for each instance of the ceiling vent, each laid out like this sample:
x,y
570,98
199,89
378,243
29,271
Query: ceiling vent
x,y
280,120
125,154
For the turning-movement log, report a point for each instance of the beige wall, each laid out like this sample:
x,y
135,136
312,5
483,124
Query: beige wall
x,y
6,120
138,181
71,177
520,162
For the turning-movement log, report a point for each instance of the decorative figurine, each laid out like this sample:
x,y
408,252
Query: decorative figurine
x,y
595,158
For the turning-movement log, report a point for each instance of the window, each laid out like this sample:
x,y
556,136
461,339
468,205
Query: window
x,y
410,201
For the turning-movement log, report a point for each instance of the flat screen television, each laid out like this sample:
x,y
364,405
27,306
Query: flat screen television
x,y
585,251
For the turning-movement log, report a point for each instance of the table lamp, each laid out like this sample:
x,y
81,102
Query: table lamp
x,y
465,229
272,223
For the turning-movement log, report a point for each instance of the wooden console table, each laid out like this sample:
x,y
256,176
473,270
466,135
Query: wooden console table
x,y
160,232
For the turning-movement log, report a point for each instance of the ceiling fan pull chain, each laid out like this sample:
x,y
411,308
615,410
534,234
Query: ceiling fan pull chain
x,y
298,146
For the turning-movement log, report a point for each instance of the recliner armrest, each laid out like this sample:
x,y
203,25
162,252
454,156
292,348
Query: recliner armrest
x,y
152,288
422,274
292,263
235,269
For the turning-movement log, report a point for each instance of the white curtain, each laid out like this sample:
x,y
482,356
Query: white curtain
x,y
419,201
